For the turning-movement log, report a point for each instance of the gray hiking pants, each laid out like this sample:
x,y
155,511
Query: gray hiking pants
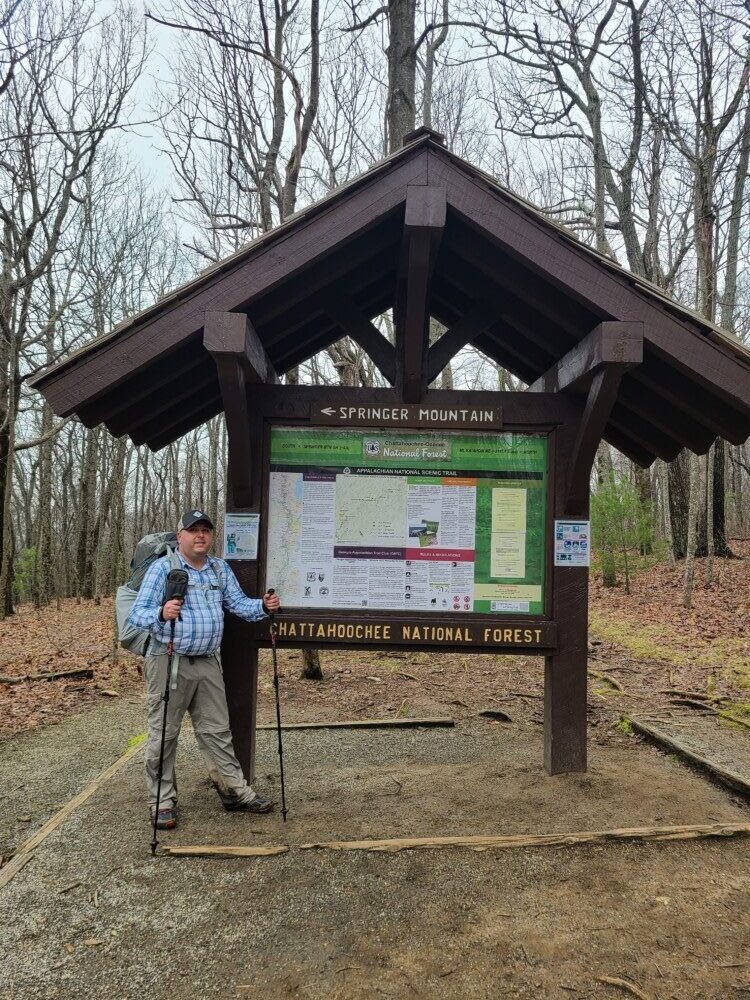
x,y
199,691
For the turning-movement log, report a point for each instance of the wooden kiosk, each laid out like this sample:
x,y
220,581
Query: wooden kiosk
x,y
423,233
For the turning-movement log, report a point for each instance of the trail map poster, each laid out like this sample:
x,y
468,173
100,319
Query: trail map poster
x,y
407,520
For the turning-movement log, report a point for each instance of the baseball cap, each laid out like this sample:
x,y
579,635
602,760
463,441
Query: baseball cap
x,y
191,517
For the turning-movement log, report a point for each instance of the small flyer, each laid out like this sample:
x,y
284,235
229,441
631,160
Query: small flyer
x,y
572,543
241,536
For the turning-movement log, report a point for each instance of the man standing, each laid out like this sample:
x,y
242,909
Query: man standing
x,y
197,684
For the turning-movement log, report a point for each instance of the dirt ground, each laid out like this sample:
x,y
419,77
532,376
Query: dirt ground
x,y
94,916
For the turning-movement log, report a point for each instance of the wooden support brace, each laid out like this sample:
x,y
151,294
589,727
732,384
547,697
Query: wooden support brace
x,y
595,365
599,402
424,223
466,329
354,323
240,360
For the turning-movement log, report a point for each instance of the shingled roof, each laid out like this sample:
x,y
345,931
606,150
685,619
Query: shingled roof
x,y
152,378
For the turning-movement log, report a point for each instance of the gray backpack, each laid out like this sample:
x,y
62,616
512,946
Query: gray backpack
x,y
147,551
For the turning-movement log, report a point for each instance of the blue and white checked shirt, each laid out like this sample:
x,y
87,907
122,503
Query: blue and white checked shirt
x,y
200,631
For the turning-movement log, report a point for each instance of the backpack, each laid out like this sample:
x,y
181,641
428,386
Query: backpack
x,y
147,551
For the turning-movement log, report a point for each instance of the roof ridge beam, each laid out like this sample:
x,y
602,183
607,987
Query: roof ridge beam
x,y
424,224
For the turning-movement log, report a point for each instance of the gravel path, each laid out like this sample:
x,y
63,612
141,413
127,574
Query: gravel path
x,y
41,771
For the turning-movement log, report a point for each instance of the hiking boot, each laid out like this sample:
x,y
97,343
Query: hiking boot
x,y
166,820
259,804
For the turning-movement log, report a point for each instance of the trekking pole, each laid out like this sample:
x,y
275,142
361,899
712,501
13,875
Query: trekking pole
x,y
278,709
176,587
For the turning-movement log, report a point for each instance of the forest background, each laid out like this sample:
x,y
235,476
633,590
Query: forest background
x,y
139,146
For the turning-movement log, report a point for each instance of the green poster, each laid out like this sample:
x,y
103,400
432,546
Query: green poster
x,y
408,520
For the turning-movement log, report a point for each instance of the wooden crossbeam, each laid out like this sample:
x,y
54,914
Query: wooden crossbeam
x,y
463,331
355,324
240,360
424,223
609,343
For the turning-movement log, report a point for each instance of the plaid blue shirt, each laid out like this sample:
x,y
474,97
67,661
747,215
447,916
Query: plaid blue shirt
x,y
210,592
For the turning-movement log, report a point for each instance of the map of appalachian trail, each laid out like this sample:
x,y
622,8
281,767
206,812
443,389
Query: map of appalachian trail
x,y
285,497
370,510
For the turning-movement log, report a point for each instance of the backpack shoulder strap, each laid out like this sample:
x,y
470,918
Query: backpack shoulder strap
x,y
217,565
174,559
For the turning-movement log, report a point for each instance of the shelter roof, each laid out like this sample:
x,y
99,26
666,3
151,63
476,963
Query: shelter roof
x,y
152,378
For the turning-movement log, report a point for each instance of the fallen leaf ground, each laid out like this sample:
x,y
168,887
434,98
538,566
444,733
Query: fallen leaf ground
x,y
644,641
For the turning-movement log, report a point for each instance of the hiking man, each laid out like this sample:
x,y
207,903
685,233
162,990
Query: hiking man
x,y
197,684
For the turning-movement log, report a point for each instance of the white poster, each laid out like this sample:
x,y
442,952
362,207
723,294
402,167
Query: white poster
x,y
241,536
572,543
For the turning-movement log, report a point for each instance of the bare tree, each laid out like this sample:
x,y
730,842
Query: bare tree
x,y
228,131
60,103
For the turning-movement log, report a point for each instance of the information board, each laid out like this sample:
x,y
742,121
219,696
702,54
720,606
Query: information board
x,y
407,520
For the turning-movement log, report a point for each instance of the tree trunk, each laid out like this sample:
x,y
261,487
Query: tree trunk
x,y
402,71
88,531
666,510
709,460
605,474
720,542
695,497
311,669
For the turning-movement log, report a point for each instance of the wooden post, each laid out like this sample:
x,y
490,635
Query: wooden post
x,y
242,363
565,671
239,659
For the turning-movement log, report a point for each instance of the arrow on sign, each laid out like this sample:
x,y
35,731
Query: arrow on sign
x,y
329,410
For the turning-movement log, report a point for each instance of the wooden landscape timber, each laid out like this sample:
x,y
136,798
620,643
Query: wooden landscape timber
x,y
426,235
209,851
521,841
532,840
25,852
430,723
723,774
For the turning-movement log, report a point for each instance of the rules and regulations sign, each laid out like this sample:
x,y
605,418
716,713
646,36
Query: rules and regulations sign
x,y
572,543
241,536
409,521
